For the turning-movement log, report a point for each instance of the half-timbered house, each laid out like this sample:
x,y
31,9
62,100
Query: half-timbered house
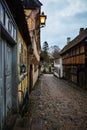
x,y
74,57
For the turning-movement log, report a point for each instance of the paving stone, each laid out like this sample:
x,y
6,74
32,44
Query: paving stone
x,y
58,106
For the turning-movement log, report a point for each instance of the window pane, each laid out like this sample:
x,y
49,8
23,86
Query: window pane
x,y
21,53
10,27
14,34
6,21
12,31
1,14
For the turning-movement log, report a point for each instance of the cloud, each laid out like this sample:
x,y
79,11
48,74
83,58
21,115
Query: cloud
x,y
64,18
73,8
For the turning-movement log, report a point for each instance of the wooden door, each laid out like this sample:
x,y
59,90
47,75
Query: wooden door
x,y
8,76
5,79
1,82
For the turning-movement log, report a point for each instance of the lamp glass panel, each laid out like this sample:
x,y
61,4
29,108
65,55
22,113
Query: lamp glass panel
x,y
42,20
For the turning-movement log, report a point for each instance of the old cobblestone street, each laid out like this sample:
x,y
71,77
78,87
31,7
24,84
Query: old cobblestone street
x,y
58,106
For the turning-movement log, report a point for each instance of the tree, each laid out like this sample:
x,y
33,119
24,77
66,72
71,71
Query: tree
x,y
45,47
44,52
55,50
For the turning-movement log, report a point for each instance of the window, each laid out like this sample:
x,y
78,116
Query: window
x,y
14,33
67,55
12,30
6,21
10,26
77,50
73,52
1,14
21,54
82,49
22,57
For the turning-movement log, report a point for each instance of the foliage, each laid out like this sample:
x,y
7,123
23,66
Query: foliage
x,y
44,52
45,47
48,55
55,50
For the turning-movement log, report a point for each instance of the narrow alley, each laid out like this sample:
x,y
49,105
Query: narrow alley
x,y
31,97
57,106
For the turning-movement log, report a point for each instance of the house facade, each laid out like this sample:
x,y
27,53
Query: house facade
x,y
58,69
23,85
74,57
32,12
14,43
8,66
19,53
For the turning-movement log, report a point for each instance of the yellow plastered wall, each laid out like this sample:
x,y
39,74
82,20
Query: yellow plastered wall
x,y
36,52
35,76
23,78
31,26
31,22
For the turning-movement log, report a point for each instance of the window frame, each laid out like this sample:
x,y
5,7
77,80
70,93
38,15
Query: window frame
x,y
7,21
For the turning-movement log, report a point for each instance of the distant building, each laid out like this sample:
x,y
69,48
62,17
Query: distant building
x,y
74,57
58,70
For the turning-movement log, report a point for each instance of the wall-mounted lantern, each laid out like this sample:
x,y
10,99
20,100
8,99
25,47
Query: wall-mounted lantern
x,y
43,18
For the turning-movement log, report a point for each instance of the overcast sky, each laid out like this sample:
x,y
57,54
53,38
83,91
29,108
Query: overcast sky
x,y
64,19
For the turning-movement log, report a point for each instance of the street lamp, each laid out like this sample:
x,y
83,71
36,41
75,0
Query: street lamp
x,y
43,18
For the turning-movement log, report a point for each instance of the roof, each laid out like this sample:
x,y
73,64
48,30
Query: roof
x,y
31,4
75,41
17,11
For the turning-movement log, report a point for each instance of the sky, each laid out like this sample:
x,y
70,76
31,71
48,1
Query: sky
x,y
64,19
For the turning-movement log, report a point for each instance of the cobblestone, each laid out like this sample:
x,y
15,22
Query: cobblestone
x,y
58,105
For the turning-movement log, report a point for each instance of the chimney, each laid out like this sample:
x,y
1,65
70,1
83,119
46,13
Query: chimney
x,y
68,40
81,30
